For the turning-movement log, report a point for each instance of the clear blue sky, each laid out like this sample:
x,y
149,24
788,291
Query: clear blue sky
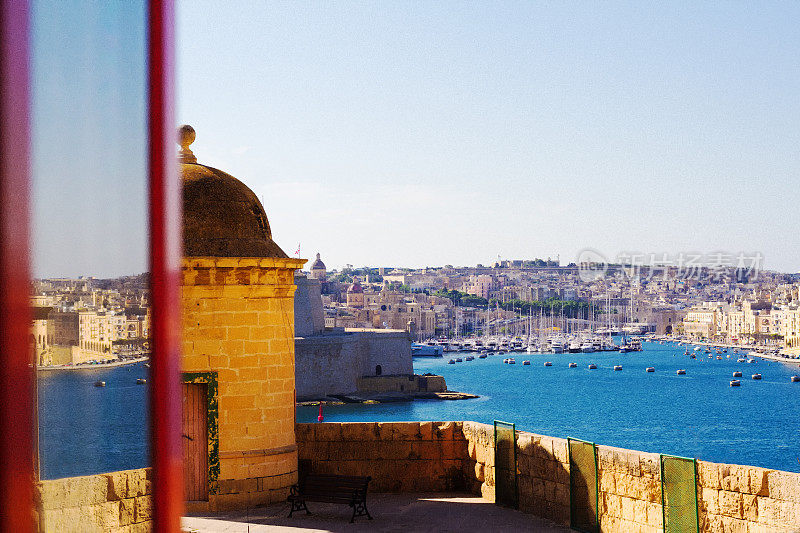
x,y
427,133
89,130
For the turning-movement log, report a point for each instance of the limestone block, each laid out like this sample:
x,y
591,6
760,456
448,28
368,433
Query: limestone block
x,y
546,446
613,505
524,464
733,525
649,465
538,488
628,508
710,498
117,484
761,528
714,524
360,431
143,509
53,520
126,511
708,475
784,486
605,458
426,430
444,430
472,450
561,451
74,492
750,507
458,430
525,444
137,485
550,491
428,450
640,511
563,476
488,474
451,449
328,431
487,492
633,464
479,471
734,478
108,515
610,523
562,494
655,515
758,481
607,482
730,504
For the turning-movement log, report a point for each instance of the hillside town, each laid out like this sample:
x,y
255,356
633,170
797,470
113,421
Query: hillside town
x,y
719,304
90,321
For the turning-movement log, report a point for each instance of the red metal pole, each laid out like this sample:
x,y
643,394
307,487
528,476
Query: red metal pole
x,y
16,357
165,259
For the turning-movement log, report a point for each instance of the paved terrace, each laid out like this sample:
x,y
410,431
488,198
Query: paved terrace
x,y
390,512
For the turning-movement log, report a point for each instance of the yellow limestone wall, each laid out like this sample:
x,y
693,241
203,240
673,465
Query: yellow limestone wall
x,y
453,456
238,321
117,502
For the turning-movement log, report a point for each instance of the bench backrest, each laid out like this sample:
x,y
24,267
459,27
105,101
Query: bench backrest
x,y
332,484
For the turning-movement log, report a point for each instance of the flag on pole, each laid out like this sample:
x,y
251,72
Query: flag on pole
x,y
297,253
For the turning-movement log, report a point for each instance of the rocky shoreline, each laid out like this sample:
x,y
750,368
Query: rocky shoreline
x,y
386,397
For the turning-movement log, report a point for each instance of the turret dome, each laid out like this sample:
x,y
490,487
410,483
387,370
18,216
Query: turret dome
x,y
222,217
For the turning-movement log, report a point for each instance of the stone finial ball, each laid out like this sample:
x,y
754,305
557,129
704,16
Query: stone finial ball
x,y
186,135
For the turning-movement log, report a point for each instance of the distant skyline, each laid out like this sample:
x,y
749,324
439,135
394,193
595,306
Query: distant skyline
x,y
418,133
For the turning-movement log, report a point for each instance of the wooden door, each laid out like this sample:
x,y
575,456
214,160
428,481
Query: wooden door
x,y
195,441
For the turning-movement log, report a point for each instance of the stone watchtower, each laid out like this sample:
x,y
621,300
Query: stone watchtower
x,y
238,344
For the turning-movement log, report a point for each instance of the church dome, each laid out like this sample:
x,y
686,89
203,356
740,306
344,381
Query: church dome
x,y
355,288
222,217
318,264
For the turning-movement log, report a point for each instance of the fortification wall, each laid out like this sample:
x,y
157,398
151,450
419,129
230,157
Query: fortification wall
x,y
117,502
445,456
332,363
326,364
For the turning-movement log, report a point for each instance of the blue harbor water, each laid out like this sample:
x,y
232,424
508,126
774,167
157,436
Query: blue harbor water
x,y
695,415
86,429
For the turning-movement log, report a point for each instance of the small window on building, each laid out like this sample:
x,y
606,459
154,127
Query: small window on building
x,y
378,370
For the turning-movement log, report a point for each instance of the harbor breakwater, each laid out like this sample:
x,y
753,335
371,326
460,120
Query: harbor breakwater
x,y
452,456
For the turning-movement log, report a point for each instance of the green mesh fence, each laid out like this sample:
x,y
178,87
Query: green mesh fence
x,y
505,464
679,494
583,506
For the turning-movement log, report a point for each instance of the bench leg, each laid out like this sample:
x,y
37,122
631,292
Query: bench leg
x,y
360,509
298,505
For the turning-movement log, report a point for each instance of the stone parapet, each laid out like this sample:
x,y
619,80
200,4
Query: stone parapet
x,y
445,456
399,456
118,502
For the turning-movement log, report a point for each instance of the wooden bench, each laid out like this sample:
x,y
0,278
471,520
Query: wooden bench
x,y
331,488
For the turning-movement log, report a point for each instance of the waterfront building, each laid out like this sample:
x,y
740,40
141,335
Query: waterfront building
x,y
238,344
700,323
